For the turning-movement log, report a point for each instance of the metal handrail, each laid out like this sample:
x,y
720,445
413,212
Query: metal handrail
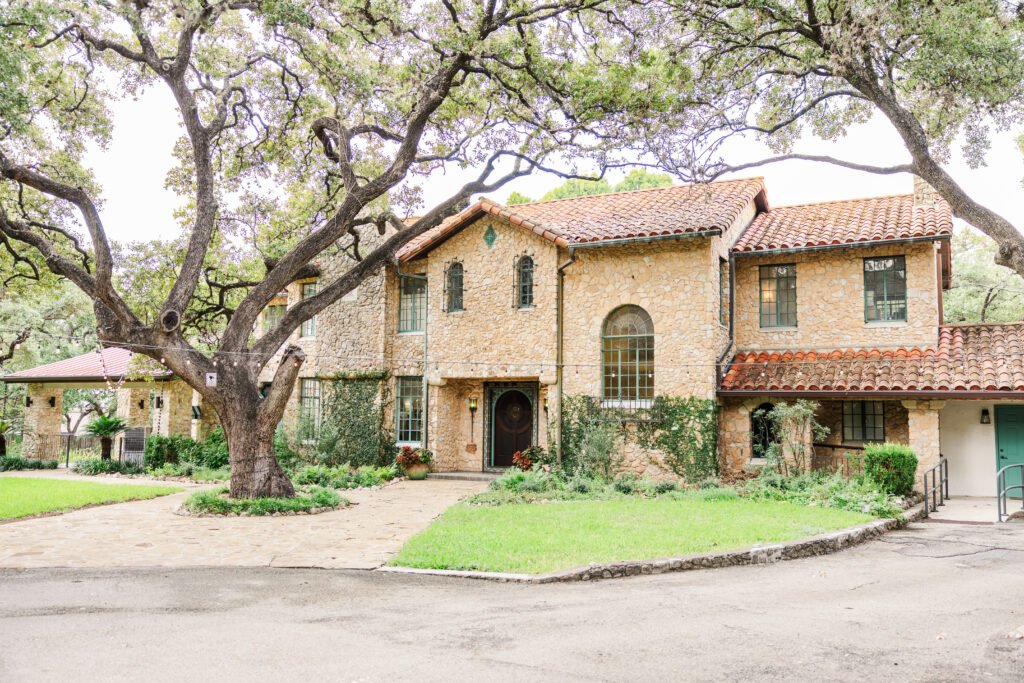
x,y
940,484
1002,489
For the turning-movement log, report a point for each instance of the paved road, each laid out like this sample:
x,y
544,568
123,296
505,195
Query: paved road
x,y
934,602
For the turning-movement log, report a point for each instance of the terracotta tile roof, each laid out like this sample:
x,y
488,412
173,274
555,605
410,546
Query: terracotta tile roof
x,y
849,221
678,210
968,358
87,367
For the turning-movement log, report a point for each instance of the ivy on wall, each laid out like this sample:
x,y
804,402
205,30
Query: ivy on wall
x,y
353,422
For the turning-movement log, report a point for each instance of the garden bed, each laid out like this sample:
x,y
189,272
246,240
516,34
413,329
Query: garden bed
x,y
22,497
216,503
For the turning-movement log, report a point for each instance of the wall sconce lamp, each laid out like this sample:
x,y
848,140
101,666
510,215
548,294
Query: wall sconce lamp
x,y
472,415
545,404
28,401
986,418
472,405
159,401
53,401
142,404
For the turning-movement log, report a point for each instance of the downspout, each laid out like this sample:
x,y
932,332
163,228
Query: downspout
x,y
719,375
559,327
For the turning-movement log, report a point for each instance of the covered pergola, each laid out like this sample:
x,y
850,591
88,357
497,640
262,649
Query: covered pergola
x,y
160,403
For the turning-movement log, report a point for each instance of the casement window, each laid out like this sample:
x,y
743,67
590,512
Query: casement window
x,y
885,289
453,286
309,408
409,410
863,421
627,356
723,291
412,304
778,295
524,282
272,316
308,328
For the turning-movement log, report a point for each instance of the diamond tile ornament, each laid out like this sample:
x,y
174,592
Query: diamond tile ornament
x,y
489,236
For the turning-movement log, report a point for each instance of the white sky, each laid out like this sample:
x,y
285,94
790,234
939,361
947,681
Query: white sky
x,y
138,207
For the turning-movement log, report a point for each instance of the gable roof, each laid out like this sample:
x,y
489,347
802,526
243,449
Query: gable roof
x,y
845,222
677,210
95,366
968,358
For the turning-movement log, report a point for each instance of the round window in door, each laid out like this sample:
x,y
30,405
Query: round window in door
x,y
513,427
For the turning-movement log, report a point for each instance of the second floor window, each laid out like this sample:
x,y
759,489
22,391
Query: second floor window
x,y
885,289
412,304
272,316
308,328
778,295
309,408
454,287
524,282
627,355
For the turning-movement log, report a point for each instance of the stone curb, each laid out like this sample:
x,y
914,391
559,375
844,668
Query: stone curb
x,y
822,544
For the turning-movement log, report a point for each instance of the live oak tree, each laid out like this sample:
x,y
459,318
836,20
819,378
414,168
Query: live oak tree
x,y
941,72
307,127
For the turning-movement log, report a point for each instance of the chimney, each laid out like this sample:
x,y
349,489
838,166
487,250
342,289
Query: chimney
x,y
924,195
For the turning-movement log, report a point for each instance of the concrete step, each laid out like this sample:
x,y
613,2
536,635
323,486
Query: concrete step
x,y
465,476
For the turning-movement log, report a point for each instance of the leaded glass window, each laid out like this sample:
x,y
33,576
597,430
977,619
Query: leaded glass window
x,y
778,295
272,316
863,421
627,355
412,304
885,289
524,282
308,328
409,410
309,408
454,285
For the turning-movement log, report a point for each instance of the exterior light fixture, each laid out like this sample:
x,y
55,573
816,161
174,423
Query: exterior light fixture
x,y
53,401
142,404
159,402
28,401
986,418
545,404
472,405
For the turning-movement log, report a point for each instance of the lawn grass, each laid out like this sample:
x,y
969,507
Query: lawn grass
x,y
24,496
541,538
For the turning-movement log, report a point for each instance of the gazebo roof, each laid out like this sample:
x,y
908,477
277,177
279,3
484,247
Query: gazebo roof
x,y
95,366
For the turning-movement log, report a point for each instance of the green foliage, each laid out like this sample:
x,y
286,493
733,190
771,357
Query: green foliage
x,y
516,198
24,496
892,466
687,433
214,502
94,466
818,489
627,483
105,426
638,179
796,430
9,462
190,470
578,188
210,454
518,486
982,291
345,477
589,439
353,425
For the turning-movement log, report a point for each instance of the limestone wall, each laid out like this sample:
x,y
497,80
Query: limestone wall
x,y
42,421
830,301
173,415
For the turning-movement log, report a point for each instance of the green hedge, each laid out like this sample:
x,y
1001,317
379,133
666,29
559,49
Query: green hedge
x,y
96,466
893,466
13,462
212,453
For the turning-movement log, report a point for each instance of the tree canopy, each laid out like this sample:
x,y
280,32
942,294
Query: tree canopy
x,y
637,179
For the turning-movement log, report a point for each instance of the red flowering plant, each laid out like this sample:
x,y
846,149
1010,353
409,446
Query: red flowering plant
x,y
410,456
528,457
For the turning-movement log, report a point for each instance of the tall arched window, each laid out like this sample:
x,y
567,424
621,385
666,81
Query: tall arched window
x,y
627,355
524,282
762,430
454,285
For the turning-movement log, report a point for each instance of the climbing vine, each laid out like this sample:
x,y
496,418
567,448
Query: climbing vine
x,y
353,423
686,432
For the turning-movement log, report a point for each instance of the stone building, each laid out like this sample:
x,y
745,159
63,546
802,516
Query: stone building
x,y
485,323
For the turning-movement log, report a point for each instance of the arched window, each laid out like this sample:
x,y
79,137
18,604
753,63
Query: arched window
x,y
627,355
454,285
524,282
762,430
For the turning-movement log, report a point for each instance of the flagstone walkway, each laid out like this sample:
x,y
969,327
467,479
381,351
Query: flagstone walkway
x,y
148,534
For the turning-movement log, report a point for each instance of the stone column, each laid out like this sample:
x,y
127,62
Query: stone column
x,y
734,434
172,415
42,421
923,434
133,407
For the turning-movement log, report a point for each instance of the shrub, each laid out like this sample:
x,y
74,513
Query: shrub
x,y
530,456
519,481
825,490
213,452
892,466
212,502
95,466
795,429
597,452
709,483
345,477
627,483
687,433
13,462
410,456
665,485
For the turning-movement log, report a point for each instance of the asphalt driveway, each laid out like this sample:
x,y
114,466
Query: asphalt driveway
x,y
935,602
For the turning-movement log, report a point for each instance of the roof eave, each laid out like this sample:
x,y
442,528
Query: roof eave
x,y
844,245
646,238
53,379
876,393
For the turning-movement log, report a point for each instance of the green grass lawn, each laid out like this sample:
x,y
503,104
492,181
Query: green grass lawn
x,y
541,538
24,496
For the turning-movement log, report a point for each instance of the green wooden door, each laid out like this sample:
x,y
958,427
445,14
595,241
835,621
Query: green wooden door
x,y
1010,443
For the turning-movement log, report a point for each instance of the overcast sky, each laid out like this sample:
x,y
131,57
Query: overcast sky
x,y
137,207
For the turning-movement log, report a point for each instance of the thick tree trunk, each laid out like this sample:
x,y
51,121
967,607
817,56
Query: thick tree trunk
x,y
255,471
105,442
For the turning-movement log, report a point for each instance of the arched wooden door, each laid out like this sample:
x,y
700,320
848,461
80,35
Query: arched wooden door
x,y
513,426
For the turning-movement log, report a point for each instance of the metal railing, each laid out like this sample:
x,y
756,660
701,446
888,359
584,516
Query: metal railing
x,y
849,463
939,489
1002,488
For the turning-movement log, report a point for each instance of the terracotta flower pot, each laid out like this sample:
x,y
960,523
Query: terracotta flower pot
x,y
417,471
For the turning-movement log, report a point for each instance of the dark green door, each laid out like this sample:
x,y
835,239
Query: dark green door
x,y
1010,443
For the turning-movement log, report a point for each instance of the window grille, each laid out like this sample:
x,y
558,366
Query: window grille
x,y
778,295
412,304
863,421
627,357
409,410
524,282
885,289
308,328
453,295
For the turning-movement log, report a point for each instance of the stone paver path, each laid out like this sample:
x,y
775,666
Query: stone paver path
x,y
147,533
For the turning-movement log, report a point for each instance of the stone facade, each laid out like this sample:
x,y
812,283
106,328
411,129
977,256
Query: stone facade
x,y
41,419
172,414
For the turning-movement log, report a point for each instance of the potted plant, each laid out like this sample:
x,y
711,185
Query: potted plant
x,y
530,456
106,428
415,462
